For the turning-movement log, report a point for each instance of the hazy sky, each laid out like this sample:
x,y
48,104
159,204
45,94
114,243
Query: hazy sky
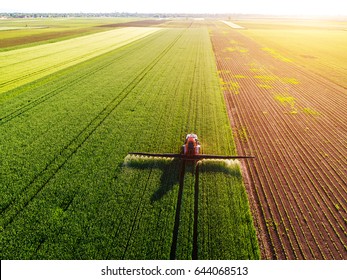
x,y
291,7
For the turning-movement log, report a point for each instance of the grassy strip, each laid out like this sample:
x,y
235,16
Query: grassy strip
x,y
19,67
23,33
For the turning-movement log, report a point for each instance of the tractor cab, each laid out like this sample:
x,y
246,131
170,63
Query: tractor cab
x,y
191,145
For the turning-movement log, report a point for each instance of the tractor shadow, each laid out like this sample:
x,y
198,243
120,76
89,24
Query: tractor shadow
x,y
173,170
170,171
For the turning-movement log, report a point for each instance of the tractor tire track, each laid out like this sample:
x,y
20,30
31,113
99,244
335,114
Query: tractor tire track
x,y
37,184
195,253
137,217
178,212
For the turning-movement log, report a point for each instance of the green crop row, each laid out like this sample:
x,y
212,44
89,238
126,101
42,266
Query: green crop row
x,y
68,191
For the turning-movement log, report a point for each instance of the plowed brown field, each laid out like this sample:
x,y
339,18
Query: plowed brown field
x,y
295,123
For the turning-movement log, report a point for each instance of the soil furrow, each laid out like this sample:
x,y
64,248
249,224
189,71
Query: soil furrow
x,y
299,188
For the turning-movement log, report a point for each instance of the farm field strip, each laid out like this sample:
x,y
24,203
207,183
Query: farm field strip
x,y
210,219
232,25
284,218
18,67
39,181
11,109
271,181
281,172
336,117
269,79
6,28
28,32
67,190
318,48
302,98
335,137
274,135
35,138
140,177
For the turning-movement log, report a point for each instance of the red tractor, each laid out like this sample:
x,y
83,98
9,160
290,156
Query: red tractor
x,y
191,146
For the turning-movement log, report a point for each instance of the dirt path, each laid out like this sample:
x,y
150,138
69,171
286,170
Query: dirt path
x,y
295,123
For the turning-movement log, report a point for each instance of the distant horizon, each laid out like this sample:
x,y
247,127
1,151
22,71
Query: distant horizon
x,y
247,7
162,15
177,13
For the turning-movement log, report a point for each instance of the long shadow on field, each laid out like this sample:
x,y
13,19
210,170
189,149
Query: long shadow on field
x,y
170,172
172,169
173,173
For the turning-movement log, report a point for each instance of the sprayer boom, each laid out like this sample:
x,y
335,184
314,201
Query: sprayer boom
x,y
191,151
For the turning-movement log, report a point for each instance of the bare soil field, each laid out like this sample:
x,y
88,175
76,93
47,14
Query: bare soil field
x,y
319,46
295,123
